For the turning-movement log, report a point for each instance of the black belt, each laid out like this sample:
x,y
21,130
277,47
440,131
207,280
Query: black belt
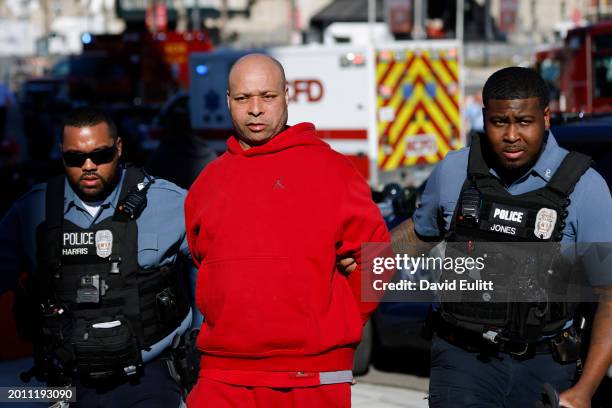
x,y
475,342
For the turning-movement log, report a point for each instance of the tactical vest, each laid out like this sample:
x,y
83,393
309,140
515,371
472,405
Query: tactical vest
x,y
529,275
100,308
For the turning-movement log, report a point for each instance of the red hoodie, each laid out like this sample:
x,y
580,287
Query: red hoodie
x,y
264,227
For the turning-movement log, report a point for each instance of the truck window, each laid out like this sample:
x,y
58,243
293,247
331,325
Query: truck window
x,y
602,43
602,75
550,70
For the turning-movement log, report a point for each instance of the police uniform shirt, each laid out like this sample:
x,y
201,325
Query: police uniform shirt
x,y
161,230
590,211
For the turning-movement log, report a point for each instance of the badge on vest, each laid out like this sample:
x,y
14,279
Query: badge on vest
x,y
545,223
104,243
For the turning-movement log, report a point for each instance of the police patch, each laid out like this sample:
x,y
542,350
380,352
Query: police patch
x,y
104,243
545,223
508,215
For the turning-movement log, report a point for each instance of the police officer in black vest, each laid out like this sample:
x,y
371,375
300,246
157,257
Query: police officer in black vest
x,y
108,272
518,197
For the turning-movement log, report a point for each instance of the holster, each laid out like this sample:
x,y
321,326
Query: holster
x,y
566,347
184,361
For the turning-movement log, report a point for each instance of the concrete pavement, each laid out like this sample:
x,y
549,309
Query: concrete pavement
x,y
381,396
378,389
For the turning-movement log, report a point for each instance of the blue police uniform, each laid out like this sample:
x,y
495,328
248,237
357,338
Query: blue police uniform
x,y
161,238
462,378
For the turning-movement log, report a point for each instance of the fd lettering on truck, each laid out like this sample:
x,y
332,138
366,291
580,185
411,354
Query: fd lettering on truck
x,y
310,90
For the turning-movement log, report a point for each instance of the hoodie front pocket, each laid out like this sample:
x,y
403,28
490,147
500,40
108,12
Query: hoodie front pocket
x,y
252,306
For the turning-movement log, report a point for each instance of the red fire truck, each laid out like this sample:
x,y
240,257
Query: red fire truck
x,y
579,72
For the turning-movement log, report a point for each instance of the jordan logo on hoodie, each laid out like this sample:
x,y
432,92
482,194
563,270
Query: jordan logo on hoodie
x,y
278,184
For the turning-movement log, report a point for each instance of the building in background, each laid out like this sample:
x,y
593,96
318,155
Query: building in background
x,y
529,21
29,27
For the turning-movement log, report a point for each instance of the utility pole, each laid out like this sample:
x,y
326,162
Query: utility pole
x,y
488,31
294,24
153,16
106,11
44,6
418,30
534,19
371,18
459,20
223,21
598,10
181,15
196,19
563,9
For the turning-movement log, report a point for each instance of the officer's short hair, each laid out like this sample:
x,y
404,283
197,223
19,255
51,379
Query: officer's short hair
x,y
515,83
88,116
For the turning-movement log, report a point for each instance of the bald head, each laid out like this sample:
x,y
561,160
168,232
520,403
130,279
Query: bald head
x,y
257,98
257,61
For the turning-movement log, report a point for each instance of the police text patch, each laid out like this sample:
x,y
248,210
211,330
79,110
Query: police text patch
x,y
77,243
512,216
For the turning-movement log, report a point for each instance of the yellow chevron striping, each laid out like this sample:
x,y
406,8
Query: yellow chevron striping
x,y
417,121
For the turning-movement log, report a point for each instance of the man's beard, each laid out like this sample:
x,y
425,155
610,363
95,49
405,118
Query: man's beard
x,y
509,171
107,185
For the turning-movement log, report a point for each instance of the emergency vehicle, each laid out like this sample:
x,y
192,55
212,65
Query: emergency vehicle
x,y
132,67
389,107
579,72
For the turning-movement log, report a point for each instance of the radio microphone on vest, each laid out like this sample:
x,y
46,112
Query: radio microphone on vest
x,y
470,204
136,200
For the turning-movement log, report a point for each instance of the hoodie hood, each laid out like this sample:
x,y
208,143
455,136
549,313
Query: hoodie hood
x,y
302,134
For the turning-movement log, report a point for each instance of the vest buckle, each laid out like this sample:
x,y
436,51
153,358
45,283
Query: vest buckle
x,y
114,261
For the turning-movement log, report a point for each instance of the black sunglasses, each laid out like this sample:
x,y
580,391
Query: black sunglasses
x,y
98,156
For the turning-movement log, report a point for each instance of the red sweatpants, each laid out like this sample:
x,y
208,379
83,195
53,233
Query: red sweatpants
x,y
214,394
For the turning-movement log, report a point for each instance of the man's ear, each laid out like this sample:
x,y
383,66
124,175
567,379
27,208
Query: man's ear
x,y
228,99
286,93
547,118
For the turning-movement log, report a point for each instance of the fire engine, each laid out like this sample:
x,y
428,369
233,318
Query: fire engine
x,y
389,108
579,72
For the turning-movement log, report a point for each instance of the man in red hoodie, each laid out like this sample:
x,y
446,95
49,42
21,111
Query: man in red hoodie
x,y
266,222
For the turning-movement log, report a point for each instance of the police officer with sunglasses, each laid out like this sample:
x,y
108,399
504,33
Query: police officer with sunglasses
x,y
108,271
